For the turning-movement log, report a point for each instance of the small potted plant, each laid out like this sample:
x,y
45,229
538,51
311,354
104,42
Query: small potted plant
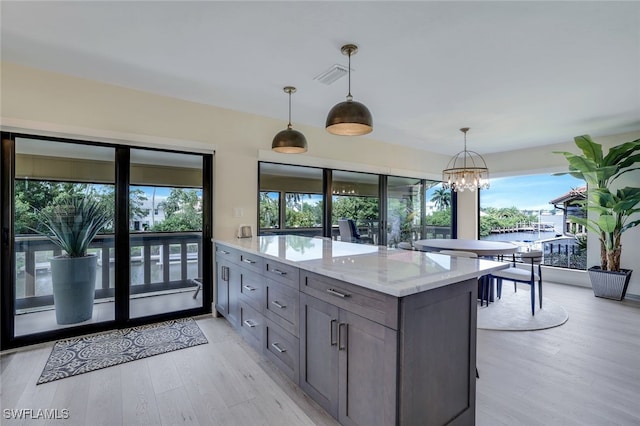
x,y
72,223
615,209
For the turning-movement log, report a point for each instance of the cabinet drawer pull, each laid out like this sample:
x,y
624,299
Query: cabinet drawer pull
x,y
342,347
331,341
223,251
249,323
279,272
249,261
278,304
249,288
276,346
337,293
225,273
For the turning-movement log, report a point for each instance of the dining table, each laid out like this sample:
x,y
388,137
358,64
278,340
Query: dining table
x,y
482,248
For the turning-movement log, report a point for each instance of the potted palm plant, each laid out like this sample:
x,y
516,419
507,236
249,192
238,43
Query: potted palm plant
x,y
72,223
614,209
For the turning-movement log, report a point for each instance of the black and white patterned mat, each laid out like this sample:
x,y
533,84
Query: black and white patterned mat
x,y
82,355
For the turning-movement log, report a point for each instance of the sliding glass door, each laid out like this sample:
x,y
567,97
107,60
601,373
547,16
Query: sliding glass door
x,y
356,197
385,210
404,211
290,200
96,236
165,225
60,191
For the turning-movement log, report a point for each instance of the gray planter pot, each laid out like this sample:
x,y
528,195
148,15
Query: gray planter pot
x,y
609,284
74,284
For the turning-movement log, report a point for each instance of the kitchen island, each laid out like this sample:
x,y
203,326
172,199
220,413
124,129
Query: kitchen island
x,y
376,336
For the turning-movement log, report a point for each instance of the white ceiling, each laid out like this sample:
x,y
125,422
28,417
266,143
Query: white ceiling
x,y
520,74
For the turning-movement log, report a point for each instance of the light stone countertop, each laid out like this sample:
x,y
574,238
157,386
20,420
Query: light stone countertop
x,y
391,271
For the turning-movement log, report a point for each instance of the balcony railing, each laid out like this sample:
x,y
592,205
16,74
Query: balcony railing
x,y
158,262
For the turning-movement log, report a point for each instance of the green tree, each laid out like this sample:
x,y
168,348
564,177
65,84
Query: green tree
x,y
441,198
269,210
401,217
32,196
137,197
360,209
439,218
182,210
492,218
299,214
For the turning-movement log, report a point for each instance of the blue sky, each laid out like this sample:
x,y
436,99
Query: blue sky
x,y
527,192
161,191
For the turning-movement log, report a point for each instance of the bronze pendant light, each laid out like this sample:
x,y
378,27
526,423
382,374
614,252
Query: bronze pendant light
x,y
289,141
349,118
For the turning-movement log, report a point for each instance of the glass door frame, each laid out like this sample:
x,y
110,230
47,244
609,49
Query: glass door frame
x,y
121,243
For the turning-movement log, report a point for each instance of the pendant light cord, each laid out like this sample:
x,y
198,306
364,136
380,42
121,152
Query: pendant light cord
x,y
289,125
349,97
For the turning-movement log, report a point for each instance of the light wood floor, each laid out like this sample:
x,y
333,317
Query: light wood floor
x,y
586,372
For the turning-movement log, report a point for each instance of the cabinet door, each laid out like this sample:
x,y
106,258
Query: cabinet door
x,y
319,352
367,366
222,287
235,281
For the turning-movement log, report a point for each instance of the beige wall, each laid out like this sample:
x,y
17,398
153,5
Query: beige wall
x,y
239,140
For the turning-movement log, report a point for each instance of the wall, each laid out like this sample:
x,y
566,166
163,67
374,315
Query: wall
x,y
467,215
240,140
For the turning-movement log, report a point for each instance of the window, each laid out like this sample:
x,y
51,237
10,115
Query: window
x,y
404,212
290,199
303,210
534,211
439,211
355,196
269,210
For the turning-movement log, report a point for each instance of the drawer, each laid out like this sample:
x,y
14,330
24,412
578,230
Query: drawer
x,y
251,326
379,307
250,261
252,289
282,305
282,273
227,253
283,349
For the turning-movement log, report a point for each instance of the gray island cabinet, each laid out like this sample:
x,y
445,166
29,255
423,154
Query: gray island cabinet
x,y
375,336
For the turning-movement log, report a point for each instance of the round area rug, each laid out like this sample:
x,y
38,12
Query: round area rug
x,y
513,313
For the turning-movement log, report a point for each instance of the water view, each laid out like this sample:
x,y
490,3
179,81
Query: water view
x,y
551,227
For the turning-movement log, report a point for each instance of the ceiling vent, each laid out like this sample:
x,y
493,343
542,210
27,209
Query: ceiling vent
x,y
334,73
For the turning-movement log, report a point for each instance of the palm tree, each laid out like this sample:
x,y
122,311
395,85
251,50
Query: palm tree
x,y
442,198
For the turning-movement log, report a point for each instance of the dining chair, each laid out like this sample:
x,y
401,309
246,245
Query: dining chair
x,y
345,231
349,232
531,276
